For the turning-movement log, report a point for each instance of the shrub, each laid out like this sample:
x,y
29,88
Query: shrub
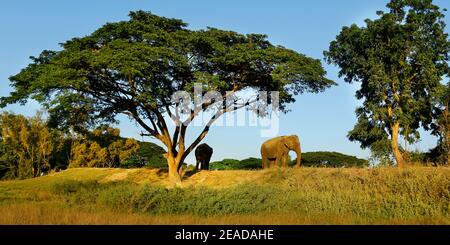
x,y
251,163
331,159
66,187
309,159
225,164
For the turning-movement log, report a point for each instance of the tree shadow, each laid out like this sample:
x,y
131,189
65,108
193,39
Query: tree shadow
x,y
164,172
189,173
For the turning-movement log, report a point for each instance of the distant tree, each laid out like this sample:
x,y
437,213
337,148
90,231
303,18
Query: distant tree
x,y
331,160
441,128
27,145
309,159
62,149
225,164
29,148
134,67
149,155
8,161
400,59
251,163
87,154
103,147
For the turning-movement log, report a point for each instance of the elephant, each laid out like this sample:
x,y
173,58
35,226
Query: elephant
x,y
275,152
203,155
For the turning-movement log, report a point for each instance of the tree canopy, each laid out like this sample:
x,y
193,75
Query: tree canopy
x,y
400,60
134,67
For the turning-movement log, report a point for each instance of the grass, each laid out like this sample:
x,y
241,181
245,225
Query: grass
x,y
416,195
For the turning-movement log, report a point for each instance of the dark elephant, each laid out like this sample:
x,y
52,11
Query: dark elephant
x,y
203,155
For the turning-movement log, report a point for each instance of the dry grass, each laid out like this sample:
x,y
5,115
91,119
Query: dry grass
x,y
40,214
226,178
418,195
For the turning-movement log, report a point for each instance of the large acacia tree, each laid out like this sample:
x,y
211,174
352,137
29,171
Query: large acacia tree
x,y
400,60
134,67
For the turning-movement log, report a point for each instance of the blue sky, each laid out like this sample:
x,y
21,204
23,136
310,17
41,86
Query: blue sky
x,y
321,120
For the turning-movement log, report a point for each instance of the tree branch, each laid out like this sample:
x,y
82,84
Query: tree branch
x,y
152,132
208,125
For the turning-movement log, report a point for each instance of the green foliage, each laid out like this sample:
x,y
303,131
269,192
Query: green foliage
x,y
149,155
250,163
67,187
400,59
331,159
233,164
440,155
225,164
435,156
309,159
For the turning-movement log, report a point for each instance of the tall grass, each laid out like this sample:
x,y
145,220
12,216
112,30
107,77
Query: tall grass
x,y
310,195
403,195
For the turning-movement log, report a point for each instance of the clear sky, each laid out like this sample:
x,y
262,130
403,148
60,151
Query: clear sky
x,y
321,120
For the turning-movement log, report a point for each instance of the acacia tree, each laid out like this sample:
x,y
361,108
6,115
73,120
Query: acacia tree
x,y
400,59
134,67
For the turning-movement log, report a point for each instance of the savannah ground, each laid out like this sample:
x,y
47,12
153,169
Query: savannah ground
x,y
416,195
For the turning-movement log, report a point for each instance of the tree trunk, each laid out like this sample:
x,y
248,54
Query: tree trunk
x,y
174,174
394,144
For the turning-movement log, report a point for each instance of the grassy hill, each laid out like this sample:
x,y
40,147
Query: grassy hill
x,y
291,196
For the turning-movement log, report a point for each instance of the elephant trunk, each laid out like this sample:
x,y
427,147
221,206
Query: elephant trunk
x,y
298,151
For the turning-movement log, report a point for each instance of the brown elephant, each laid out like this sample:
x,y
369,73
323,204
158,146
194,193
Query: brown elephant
x,y
203,155
275,152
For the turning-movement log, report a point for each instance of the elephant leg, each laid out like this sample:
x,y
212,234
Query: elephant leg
x,y
278,161
273,162
207,163
197,165
284,160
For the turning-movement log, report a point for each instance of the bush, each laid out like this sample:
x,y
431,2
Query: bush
x,y
225,164
331,160
67,187
251,163
309,159
233,164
